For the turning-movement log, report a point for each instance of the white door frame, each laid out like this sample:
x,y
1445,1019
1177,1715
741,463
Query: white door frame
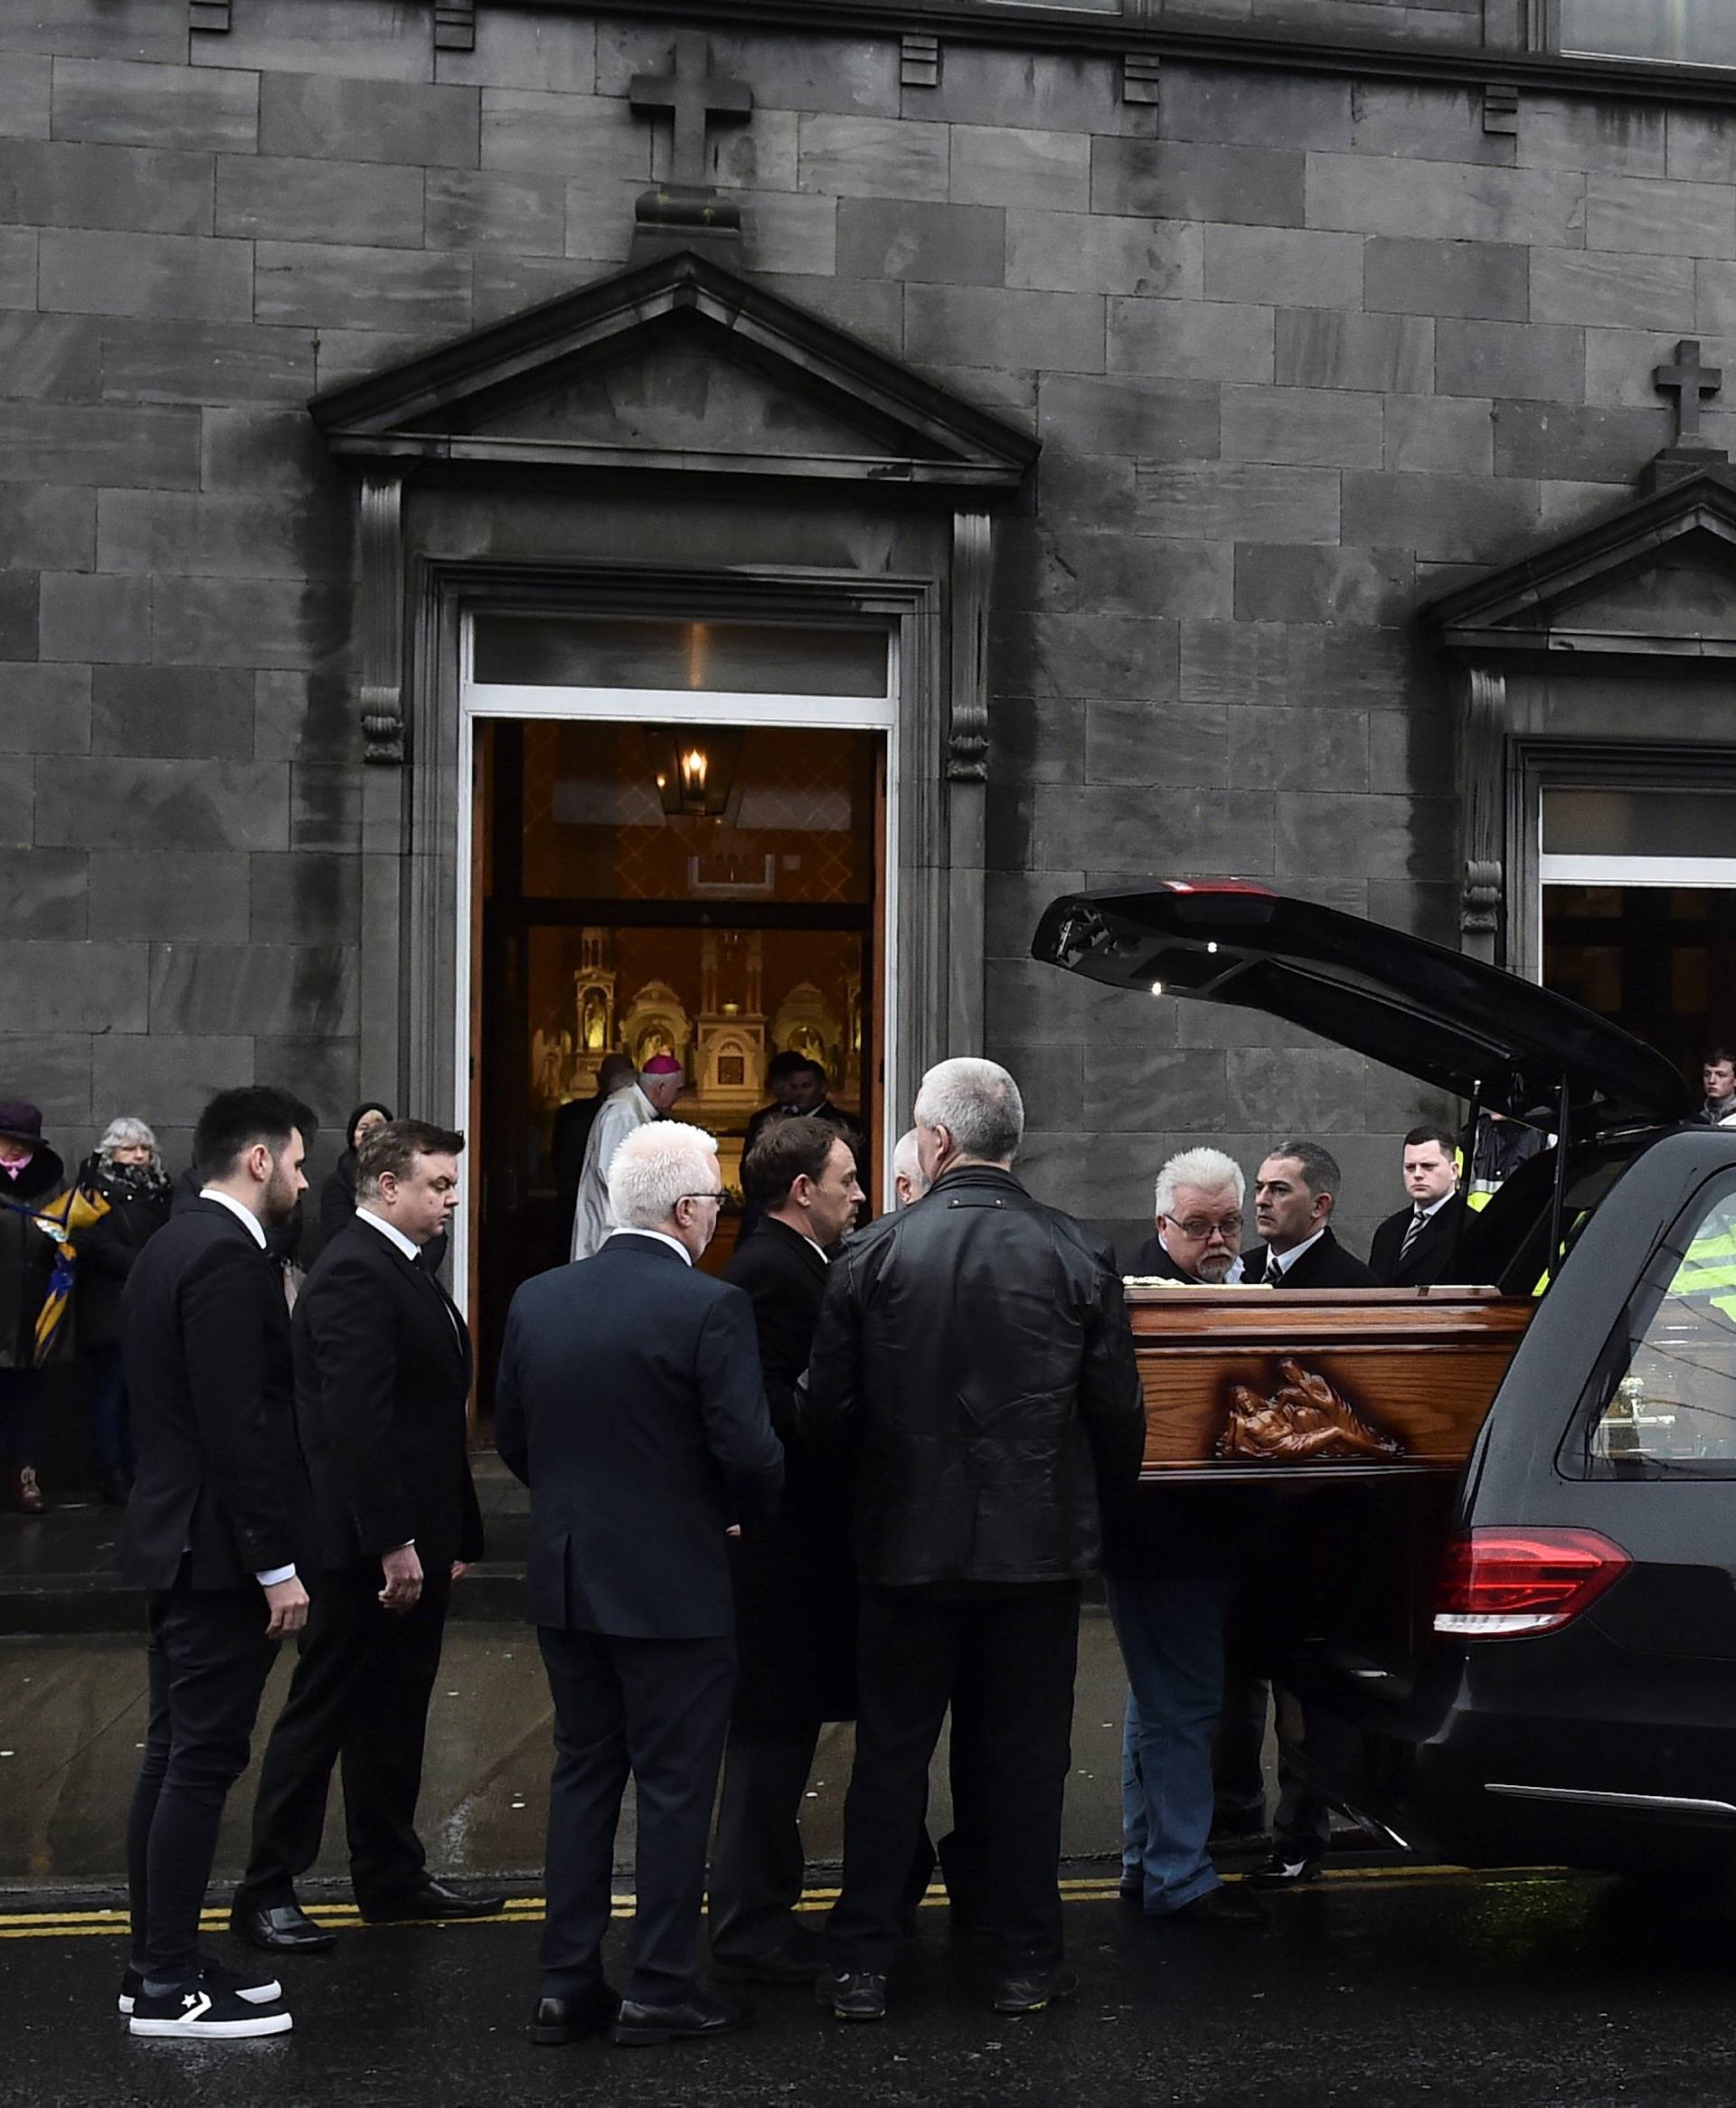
x,y
491,699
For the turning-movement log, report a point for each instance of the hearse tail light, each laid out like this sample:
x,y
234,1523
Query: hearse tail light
x,y
1513,1584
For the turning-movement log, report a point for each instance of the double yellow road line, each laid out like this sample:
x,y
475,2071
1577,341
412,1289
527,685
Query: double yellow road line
x,y
527,1910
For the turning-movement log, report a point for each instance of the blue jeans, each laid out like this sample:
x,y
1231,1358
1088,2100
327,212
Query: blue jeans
x,y
110,1432
1171,1631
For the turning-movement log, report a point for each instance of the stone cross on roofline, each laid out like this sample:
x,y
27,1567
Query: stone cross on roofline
x,y
1688,380
687,211
1690,451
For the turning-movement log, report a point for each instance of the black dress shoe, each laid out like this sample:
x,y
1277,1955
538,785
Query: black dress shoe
x,y
558,2020
799,1960
1224,1909
431,1899
1029,1990
640,2027
280,1928
1289,1867
853,1994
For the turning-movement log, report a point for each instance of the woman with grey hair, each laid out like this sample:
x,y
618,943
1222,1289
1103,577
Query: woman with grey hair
x,y
126,1172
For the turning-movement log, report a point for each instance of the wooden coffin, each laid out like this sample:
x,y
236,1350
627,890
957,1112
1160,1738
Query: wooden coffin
x,y
1252,1382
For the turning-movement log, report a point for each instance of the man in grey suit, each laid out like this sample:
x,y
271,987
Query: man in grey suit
x,y
631,1404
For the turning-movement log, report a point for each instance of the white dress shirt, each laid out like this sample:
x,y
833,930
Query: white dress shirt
x,y
1278,1264
391,1233
662,1236
255,1228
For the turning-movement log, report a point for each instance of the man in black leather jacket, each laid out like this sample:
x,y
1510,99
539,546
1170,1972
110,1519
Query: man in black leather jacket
x,y
976,1346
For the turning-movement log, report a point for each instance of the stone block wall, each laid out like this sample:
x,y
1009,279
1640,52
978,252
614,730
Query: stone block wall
x,y
1302,349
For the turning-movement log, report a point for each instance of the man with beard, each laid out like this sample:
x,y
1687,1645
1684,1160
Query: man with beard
x,y
1172,1561
218,1521
795,1579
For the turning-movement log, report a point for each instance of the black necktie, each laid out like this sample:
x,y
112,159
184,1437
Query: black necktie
x,y
1417,1220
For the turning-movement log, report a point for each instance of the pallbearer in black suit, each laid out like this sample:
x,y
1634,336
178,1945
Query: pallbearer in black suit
x,y
1293,1196
382,1371
1419,1245
630,1403
796,1580
217,1531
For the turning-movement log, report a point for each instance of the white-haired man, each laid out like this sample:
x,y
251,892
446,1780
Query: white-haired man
x,y
909,1180
650,1095
630,1401
978,1346
1197,1231
1173,1560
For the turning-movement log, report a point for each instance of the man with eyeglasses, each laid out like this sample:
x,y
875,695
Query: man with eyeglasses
x,y
1198,1231
1172,1565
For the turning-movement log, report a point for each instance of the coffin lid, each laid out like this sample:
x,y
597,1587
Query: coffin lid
x,y
1449,1020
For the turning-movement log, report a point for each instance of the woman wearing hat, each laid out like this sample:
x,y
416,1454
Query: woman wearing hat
x,y
31,1176
125,1172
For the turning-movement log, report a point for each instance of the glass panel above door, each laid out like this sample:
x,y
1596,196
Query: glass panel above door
x,y
1692,33
741,658
1640,823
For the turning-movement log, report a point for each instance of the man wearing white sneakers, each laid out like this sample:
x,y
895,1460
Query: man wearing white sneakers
x,y
217,1530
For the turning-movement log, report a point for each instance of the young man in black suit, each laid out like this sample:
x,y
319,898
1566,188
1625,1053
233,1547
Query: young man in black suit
x,y
1294,1194
382,1373
795,1579
218,1533
630,1403
1417,1246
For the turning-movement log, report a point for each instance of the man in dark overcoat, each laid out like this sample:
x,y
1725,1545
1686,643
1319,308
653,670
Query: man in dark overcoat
x,y
795,1579
977,1347
631,1403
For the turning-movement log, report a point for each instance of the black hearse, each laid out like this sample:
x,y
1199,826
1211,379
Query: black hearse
x,y
1534,1659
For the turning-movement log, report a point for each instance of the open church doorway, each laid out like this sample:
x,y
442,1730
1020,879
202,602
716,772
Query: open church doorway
x,y
678,841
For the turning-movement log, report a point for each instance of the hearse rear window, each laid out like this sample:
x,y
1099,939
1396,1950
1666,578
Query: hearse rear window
x,y
1668,1404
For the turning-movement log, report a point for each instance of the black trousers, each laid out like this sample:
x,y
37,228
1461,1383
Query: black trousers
x,y
359,1696
208,1659
758,1864
1238,1752
21,1417
1006,1664
656,1710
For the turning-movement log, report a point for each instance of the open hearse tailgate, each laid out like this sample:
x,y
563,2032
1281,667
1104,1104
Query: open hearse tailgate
x,y
1436,1014
1250,1383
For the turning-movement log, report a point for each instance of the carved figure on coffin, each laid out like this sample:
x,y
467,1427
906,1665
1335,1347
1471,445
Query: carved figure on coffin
x,y
1304,1417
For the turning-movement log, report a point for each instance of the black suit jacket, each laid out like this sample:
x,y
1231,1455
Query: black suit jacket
x,y
794,1578
1436,1246
220,1476
383,1373
1324,1265
630,1403
1153,1259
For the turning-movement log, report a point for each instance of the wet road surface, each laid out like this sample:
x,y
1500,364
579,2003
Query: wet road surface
x,y
1371,1990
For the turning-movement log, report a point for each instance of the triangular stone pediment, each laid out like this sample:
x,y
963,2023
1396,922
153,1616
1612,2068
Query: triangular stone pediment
x,y
680,364
1655,578
679,395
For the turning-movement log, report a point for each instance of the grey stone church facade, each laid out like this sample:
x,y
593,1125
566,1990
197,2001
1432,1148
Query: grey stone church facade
x,y
1282,437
